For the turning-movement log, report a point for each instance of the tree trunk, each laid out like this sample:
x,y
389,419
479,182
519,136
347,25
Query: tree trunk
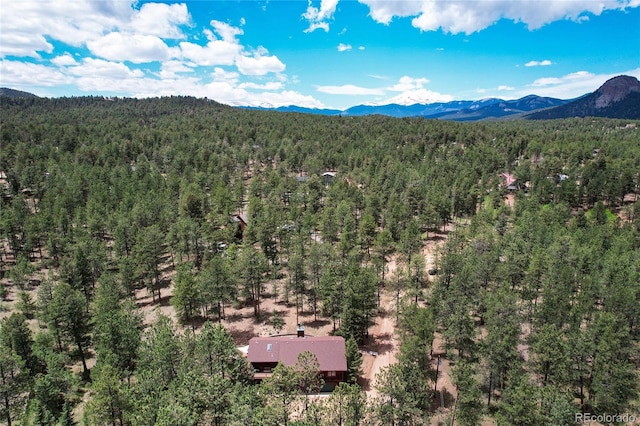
x,y
84,363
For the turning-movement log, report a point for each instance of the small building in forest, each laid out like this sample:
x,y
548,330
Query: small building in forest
x,y
241,223
265,353
329,176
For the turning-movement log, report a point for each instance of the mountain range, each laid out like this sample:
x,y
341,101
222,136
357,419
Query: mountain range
x,y
618,97
12,93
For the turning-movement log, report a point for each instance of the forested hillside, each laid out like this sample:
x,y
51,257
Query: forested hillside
x,y
534,294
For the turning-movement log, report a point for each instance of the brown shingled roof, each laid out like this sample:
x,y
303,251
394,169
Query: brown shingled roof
x,y
330,351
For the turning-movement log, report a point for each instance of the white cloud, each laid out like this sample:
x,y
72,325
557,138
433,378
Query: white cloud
x,y
409,91
505,87
550,81
90,67
221,75
259,64
571,85
226,31
407,83
350,89
284,98
361,47
28,24
544,63
24,74
72,22
417,96
471,16
161,20
270,86
412,91
20,44
215,52
171,69
317,17
135,48
317,26
64,60
384,11
344,47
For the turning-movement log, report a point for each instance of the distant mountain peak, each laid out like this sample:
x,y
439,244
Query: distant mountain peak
x,y
618,97
616,89
13,93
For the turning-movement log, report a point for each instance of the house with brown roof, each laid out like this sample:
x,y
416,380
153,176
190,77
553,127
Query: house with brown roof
x,y
265,353
240,220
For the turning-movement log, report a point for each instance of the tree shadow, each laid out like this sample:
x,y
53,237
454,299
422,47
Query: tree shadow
x,y
241,336
234,317
442,399
318,323
365,384
380,344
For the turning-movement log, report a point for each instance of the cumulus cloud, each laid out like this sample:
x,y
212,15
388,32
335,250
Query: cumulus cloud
x,y
27,26
571,85
269,86
104,69
24,74
344,47
544,63
221,75
161,20
259,65
408,91
64,60
171,69
407,83
318,17
136,48
226,31
412,91
472,16
550,81
20,44
141,50
215,52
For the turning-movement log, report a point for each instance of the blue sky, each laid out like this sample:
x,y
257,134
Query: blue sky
x,y
318,53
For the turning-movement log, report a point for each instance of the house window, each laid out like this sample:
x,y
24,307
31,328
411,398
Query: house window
x,y
331,374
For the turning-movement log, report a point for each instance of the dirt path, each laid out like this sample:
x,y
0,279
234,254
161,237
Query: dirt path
x,y
383,347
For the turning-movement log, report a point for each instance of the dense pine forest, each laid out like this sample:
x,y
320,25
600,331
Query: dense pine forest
x,y
533,299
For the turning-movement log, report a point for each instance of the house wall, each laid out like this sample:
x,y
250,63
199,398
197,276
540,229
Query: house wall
x,y
263,370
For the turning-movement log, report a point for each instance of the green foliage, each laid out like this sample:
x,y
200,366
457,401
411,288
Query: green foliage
x,y
186,298
117,328
346,406
20,272
251,268
354,360
469,407
69,319
399,402
100,187
109,399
